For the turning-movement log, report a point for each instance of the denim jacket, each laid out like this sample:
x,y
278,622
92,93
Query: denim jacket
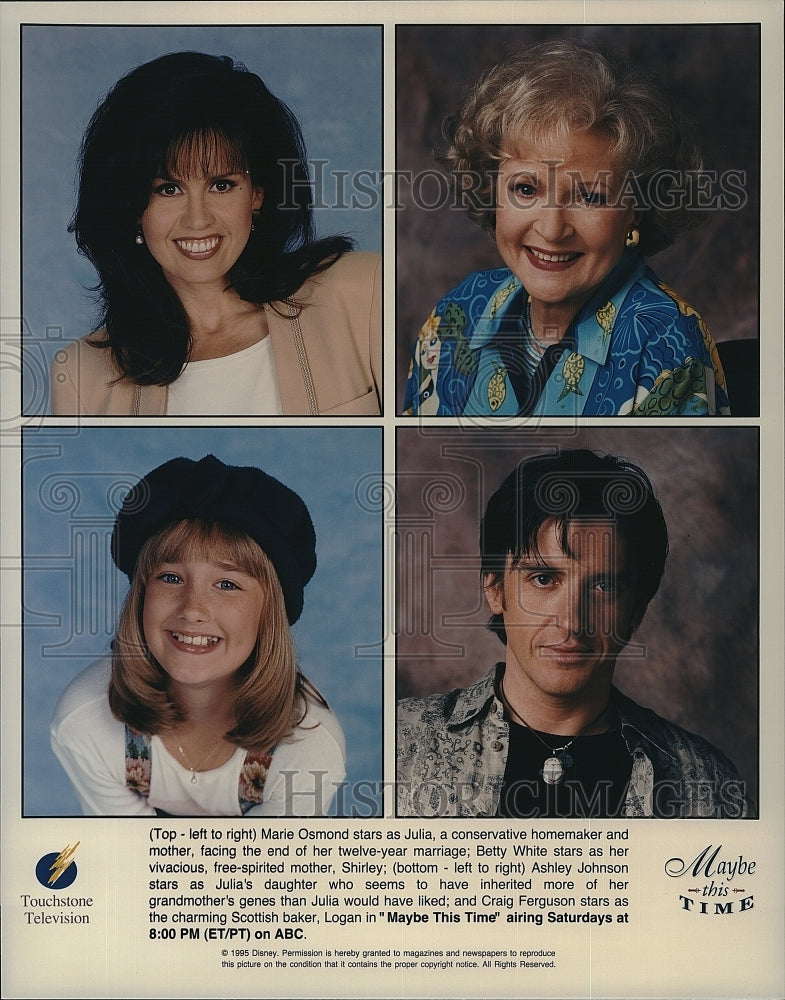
x,y
452,754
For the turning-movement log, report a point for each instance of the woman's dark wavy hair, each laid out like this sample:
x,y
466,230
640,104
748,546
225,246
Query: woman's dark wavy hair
x,y
184,110
567,488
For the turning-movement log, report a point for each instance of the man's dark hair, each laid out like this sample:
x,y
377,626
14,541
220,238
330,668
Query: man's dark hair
x,y
567,488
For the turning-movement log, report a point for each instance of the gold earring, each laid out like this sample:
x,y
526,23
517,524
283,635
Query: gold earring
x,y
633,236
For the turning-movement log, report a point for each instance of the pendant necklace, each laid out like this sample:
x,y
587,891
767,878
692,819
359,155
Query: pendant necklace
x,y
554,767
195,770
533,348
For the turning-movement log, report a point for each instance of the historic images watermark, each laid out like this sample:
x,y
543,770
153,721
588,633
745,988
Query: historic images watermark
x,y
434,190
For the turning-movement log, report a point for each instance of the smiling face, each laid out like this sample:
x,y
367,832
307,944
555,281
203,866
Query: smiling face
x,y
567,615
198,219
201,619
559,225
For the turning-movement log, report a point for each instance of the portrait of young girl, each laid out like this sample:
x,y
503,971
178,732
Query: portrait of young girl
x,y
203,703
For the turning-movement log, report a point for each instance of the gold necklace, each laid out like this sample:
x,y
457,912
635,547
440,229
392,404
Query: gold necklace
x,y
554,766
195,770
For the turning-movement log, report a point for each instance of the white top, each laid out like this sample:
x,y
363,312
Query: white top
x,y
243,383
90,744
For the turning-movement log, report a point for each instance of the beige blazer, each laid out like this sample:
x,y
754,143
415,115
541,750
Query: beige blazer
x,y
327,354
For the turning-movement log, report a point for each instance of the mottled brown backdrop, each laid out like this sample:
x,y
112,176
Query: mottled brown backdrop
x,y
695,657
712,71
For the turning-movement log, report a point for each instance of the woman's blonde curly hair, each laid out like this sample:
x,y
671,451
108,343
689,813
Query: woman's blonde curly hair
x,y
554,88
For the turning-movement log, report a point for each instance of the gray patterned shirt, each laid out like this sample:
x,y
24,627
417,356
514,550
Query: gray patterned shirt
x,y
452,754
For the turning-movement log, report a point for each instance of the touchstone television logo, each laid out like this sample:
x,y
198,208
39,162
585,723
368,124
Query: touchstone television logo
x,y
58,871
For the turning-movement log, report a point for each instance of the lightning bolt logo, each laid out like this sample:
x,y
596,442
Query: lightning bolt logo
x,y
62,862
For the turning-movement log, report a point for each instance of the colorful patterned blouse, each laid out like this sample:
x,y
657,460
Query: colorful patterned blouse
x,y
634,348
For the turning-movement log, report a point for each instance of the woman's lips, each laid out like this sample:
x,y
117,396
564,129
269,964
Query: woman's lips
x,y
545,260
198,249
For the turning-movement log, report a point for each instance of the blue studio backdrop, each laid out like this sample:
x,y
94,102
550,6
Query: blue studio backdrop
x,y
330,77
74,481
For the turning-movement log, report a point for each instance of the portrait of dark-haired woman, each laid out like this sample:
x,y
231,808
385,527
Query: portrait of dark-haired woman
x,y
195,208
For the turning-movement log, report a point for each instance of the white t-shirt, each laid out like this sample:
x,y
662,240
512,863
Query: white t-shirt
x,y
90,744
240,384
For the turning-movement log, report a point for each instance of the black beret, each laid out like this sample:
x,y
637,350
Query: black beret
x,y
274,516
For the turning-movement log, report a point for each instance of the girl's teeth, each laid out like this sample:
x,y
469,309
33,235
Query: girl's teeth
x,y
196,640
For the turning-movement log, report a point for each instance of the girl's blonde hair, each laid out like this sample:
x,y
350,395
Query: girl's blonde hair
x,y
271,694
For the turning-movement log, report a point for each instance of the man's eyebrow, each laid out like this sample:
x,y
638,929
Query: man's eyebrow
x,y
539,566
622,576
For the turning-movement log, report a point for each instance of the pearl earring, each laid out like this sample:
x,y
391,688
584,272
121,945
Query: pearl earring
x,y
139,238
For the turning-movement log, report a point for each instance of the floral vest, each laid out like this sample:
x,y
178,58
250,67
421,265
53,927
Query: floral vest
x,y
138,767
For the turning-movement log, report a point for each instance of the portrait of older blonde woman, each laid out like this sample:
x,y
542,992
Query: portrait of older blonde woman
x,y
577,166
